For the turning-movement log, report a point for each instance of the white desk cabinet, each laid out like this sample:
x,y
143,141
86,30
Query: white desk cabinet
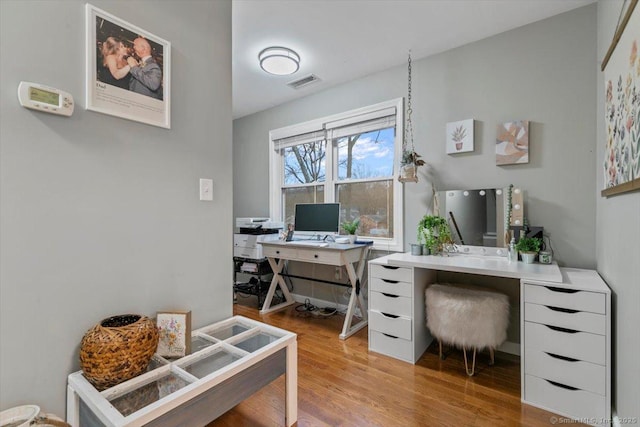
x,y
397,322
566,346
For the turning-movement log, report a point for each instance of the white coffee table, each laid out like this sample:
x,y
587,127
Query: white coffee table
x,y
230,361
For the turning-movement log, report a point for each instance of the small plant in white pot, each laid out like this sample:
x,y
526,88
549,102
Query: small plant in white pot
x,y
351,227
528,248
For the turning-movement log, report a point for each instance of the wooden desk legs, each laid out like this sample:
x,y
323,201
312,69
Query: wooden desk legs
x,y
291,385
275,282
356,299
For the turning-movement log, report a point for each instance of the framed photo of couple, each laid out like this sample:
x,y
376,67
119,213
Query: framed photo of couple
x,y
128,70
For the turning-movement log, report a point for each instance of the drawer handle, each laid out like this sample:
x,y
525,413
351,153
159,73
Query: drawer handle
x,y
389,281
562,310
277,252
565,358
390,295
315,255
393,316
559,329
389,267
568,387
563,290
390,336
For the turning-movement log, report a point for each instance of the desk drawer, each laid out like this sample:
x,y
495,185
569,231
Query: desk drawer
x,y
565,298
575,403
392,304
279,252
391,346
583,375
400,274
392,287
388,324
577,345
566,318
319,256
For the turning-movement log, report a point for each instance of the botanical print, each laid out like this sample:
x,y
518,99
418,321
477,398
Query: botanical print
x,y
512,143
460,136
622,109
172,329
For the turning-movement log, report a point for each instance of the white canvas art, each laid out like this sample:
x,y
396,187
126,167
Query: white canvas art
x,y
460,136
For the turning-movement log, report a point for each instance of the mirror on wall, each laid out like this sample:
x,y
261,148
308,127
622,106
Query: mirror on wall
x,y
476,217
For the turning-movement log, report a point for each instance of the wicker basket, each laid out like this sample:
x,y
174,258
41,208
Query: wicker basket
x,y
117,349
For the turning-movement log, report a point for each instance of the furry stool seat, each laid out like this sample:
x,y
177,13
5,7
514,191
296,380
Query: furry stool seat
x,y
467,318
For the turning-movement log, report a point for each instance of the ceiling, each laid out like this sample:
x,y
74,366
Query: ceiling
x,y
342,40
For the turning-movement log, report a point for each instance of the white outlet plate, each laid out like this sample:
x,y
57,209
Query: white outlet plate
x,y
206,189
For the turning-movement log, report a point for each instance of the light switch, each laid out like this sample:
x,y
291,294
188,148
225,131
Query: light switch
x,y
206,189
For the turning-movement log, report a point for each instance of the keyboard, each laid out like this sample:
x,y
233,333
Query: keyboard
x,y
308,243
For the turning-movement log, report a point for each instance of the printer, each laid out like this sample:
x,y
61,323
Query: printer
x,y
251,232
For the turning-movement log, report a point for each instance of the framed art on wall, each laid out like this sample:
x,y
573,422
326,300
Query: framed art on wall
x,y
174,328
128,70
512,143
621,67
460,136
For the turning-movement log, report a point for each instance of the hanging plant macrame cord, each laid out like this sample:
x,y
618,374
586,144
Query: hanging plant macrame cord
x,y
410,159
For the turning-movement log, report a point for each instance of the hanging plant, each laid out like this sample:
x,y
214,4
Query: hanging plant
x,y
410,159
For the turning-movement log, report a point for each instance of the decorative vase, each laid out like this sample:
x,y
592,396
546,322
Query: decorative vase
x,y
353,238
117,349
416,249
528,257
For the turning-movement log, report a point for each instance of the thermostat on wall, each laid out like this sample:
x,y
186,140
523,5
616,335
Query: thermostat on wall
x,y
44,98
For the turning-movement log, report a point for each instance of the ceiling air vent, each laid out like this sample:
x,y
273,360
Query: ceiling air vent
x,y
305,81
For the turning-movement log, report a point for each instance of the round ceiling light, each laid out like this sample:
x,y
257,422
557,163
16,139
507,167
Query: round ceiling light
x,y
279,61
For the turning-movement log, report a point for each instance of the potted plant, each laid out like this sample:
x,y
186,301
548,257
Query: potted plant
x,y
458,136
351,227
528,248
409,166
434,233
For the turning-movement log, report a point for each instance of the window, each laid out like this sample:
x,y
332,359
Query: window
x,y
348,158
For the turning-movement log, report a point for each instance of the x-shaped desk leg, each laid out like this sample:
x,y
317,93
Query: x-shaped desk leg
x,y
356,298
277,280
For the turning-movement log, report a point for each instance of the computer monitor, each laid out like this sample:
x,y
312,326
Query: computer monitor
x,y
317,218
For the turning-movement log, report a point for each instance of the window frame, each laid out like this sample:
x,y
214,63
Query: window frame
x,y
276,167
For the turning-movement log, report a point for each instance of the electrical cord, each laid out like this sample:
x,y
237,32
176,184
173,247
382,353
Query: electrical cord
x,y
307,307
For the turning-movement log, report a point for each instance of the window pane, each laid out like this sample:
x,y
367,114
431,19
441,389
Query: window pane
x,y
305,163
291,196
366,155
372,202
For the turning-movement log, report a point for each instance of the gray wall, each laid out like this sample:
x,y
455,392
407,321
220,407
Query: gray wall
x,y
100,215
618,251
543,72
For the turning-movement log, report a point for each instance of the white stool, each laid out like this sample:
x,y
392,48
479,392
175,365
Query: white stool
x,y
467,318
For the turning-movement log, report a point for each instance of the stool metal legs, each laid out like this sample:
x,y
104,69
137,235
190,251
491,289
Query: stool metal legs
x,y
466,363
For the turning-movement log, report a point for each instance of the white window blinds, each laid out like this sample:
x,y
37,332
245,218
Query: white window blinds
x,y
304,138
362,123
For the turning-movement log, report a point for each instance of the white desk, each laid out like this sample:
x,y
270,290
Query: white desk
x,y
351,256
230,360
565,324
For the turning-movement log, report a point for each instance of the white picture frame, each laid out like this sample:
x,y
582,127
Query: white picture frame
x,y
135,93
460,136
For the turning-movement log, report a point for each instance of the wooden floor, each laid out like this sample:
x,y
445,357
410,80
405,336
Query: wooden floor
x,y
341,383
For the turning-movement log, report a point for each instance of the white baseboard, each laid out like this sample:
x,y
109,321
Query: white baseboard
x,y
510,347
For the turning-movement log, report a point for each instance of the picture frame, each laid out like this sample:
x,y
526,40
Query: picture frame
x,y
128,70
460,137
174,328
512,143
621,68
